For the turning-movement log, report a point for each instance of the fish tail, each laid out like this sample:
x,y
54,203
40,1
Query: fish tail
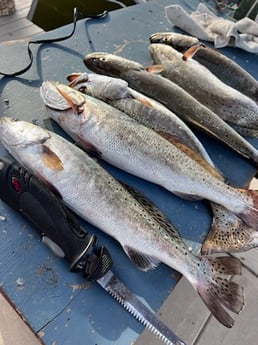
x,y
228,233
250,213
217,290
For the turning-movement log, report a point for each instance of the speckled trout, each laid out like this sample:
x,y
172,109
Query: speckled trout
x,y
173,97
231,105
131,146
147,111
98,198
219,64
228,233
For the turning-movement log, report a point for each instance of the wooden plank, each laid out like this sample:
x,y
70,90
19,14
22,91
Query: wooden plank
x,y
26,32
249,260
183,311
13,27
20,4
244,330
4,20
13,330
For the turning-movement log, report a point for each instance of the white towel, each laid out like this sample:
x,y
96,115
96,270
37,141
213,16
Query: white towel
x,y
205,25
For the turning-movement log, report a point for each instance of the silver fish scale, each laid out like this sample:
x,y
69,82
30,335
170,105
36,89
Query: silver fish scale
x,y
139,310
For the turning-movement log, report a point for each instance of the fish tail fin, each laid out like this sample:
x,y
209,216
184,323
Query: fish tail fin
x,y
217,290
228,233
250,213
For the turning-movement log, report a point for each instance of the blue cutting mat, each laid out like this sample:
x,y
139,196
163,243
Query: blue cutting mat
x,y
61,306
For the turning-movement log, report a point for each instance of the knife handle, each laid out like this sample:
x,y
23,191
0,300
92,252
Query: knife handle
x,y
56,225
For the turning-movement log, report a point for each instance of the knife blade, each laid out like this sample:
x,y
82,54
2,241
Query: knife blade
x,y
138,309
62,233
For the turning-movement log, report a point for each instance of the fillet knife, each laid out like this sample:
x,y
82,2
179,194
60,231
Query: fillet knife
x,y
62,233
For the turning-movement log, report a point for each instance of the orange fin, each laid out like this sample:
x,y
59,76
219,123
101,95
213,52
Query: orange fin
x,y
73,76
156,69
76,107
50,159
77,78
143,101
190,52
192,154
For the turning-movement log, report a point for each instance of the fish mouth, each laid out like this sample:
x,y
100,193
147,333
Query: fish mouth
x,y
60,97
156,38
112,65
96,61
77,78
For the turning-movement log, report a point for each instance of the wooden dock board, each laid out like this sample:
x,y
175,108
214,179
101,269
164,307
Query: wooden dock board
x,y
17,26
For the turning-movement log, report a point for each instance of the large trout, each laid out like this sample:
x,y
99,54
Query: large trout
x,y
173,97
231,105
219,64
98,198
131,146
228,233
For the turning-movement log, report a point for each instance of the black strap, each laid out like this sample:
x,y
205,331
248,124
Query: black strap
x,y
50,40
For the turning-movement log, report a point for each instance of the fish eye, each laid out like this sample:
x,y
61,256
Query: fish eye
x,y
103,59
83,89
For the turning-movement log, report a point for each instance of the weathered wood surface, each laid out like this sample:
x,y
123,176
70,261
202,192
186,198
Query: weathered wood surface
x,y
17,26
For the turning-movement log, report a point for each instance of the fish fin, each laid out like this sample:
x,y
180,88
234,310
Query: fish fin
x,y
50,186
250,214
152,209
187,196
71,77
228,234
77,108
77,78
89,147
190,52
143,100
142,261
194,155
155,69
50,159
217,291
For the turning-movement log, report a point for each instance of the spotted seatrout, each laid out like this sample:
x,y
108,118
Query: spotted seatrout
x,y
219,64
98,198
130,146
231,105
145,110
173,97
228,233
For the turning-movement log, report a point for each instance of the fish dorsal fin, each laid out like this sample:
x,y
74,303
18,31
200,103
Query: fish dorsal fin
x,y
143,100
142,261
154,211
155,69
190,52
50,159
192,154
77,78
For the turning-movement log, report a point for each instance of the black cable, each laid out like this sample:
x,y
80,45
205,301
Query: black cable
x,y
51,40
